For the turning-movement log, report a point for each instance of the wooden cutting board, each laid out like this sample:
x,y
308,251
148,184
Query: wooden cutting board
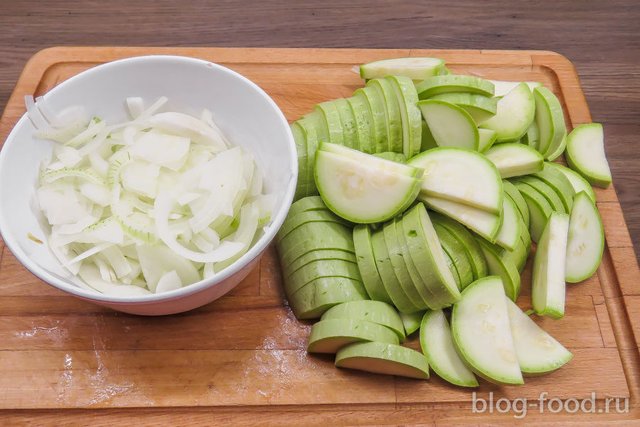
x,y
242,358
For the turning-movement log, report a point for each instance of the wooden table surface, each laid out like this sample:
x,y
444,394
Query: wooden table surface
x,y
600,37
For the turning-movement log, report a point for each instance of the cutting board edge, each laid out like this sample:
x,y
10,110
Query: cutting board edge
x,y
40,62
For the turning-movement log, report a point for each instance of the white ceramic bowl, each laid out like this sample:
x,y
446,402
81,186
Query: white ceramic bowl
x,y
244,112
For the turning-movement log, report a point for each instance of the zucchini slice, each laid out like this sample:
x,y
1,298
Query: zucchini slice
x,y
550,120
537,351
575,179
411,117
482,333
585,154
437,345
514,159
360,190
382,358
461,176
452,83
330,335
486,139
484,223
585,243
450,125
371,311
411,321
480,107
515,114
367,264
512,192
548,279
504,87
415,68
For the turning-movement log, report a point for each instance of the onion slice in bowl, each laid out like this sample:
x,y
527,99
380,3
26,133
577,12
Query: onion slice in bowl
x,y
150,204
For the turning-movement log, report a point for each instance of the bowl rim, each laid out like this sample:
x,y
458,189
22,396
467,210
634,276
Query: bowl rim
x,y
255,251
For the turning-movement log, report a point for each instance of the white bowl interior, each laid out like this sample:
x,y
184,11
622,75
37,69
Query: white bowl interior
x,y
246,115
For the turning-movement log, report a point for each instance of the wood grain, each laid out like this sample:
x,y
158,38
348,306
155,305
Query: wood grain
x,y
246,350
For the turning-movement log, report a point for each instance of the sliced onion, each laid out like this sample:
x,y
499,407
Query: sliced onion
x,y
150,204
169,281
162,209
135,105
91,276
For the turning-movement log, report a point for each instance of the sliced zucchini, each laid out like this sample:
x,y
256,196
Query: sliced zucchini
x,y
577,181
411,118
560,183
363,114
452,84
450,125
548,280
585,154
331,232
361,192
537,351
316,120
295,221
396,257
513,159
515,114
458,254
550,120
539,209
480,107
482,333
503,87
311,203
509,232
518,256
427,138
321,268
393,118
313,299
532,137
501,267
394,157
486,139
382,162
382,358
585,243
378,132
367,264
320,254
331,116
438,347
311,138
484,223
452,267
348,121
408,253
389,279
371,311
411,321
415,68
329,336
545,190
462,176
301,241
472,249
432,267
300,138
512,192
559,151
